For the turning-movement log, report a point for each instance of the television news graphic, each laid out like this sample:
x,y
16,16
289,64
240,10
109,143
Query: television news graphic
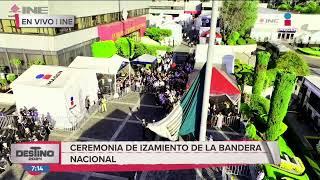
x,y
28,21
139,155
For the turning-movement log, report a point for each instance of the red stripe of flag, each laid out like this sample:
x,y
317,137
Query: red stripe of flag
x,y
16,16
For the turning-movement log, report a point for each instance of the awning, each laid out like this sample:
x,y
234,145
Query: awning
x,y
99,65
222,85
145,59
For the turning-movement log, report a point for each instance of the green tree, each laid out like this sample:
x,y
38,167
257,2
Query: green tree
x,y
238,16
251,132
3,82
125,47
260,72
281,96
293,63
104,49
17,63
243,73
158,34
11,77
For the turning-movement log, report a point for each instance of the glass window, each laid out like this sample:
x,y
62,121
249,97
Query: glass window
x,y
282,36
314,101
1,27
279,35
287,36
291,36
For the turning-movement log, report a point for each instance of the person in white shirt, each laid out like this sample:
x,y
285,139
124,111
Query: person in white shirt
x,y
159,69
161,84
220,120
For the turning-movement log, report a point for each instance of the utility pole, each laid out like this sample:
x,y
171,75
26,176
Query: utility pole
x,y
210,59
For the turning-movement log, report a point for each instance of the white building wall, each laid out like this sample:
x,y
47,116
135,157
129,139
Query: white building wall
x,y
306,25
47,43
76,8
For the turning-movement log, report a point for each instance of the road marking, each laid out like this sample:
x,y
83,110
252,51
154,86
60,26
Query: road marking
x,y
223,134
132,104
226,132
115,135
117,119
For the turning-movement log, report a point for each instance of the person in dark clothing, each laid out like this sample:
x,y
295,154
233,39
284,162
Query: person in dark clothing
x,y
87,104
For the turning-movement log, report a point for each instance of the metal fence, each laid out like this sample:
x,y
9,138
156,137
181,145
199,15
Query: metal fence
x,y
246,171
229,121
7,120
76,124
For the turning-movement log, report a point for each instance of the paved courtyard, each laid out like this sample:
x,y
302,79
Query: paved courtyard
x,y
120,123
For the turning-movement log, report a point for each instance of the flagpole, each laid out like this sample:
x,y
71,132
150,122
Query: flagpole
x,y
209,65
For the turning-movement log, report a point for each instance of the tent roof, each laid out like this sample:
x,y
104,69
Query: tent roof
x,y
145,59
99,65
221,84
41,75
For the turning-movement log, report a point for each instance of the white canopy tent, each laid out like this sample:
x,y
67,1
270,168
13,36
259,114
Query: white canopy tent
x,y
57,92
110,66
145,59
176,38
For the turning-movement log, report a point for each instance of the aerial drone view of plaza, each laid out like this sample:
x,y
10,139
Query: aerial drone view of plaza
x,y
163,71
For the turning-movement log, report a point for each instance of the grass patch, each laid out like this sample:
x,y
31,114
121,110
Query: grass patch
x,y
314,51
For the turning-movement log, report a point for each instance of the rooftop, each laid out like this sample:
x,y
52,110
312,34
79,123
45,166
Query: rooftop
x,y
314,79
269,11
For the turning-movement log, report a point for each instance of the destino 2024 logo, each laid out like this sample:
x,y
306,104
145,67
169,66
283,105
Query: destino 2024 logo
x,y
35,153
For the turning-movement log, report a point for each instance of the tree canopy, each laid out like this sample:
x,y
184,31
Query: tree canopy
x,y
125,47
103,49
239,16
158,34
293,63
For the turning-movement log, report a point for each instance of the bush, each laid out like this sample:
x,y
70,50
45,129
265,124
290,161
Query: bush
x,y
241,41
234,36
141,49
260,104
243,73
158,34
105,49
3,82
231,42
251,132
297,8
125,47
291,62
271,77
314,51
315,48
260,72
11,77
283,88
284,7
251,41
245,110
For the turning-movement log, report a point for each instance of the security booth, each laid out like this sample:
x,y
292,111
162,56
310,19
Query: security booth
x,y
59,93
107,70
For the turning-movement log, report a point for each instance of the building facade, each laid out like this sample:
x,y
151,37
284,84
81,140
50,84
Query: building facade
x,y
273,25
58,46
175,7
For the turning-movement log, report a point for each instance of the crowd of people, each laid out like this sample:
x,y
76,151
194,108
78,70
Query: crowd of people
x,y
167,81
218,112
25,127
